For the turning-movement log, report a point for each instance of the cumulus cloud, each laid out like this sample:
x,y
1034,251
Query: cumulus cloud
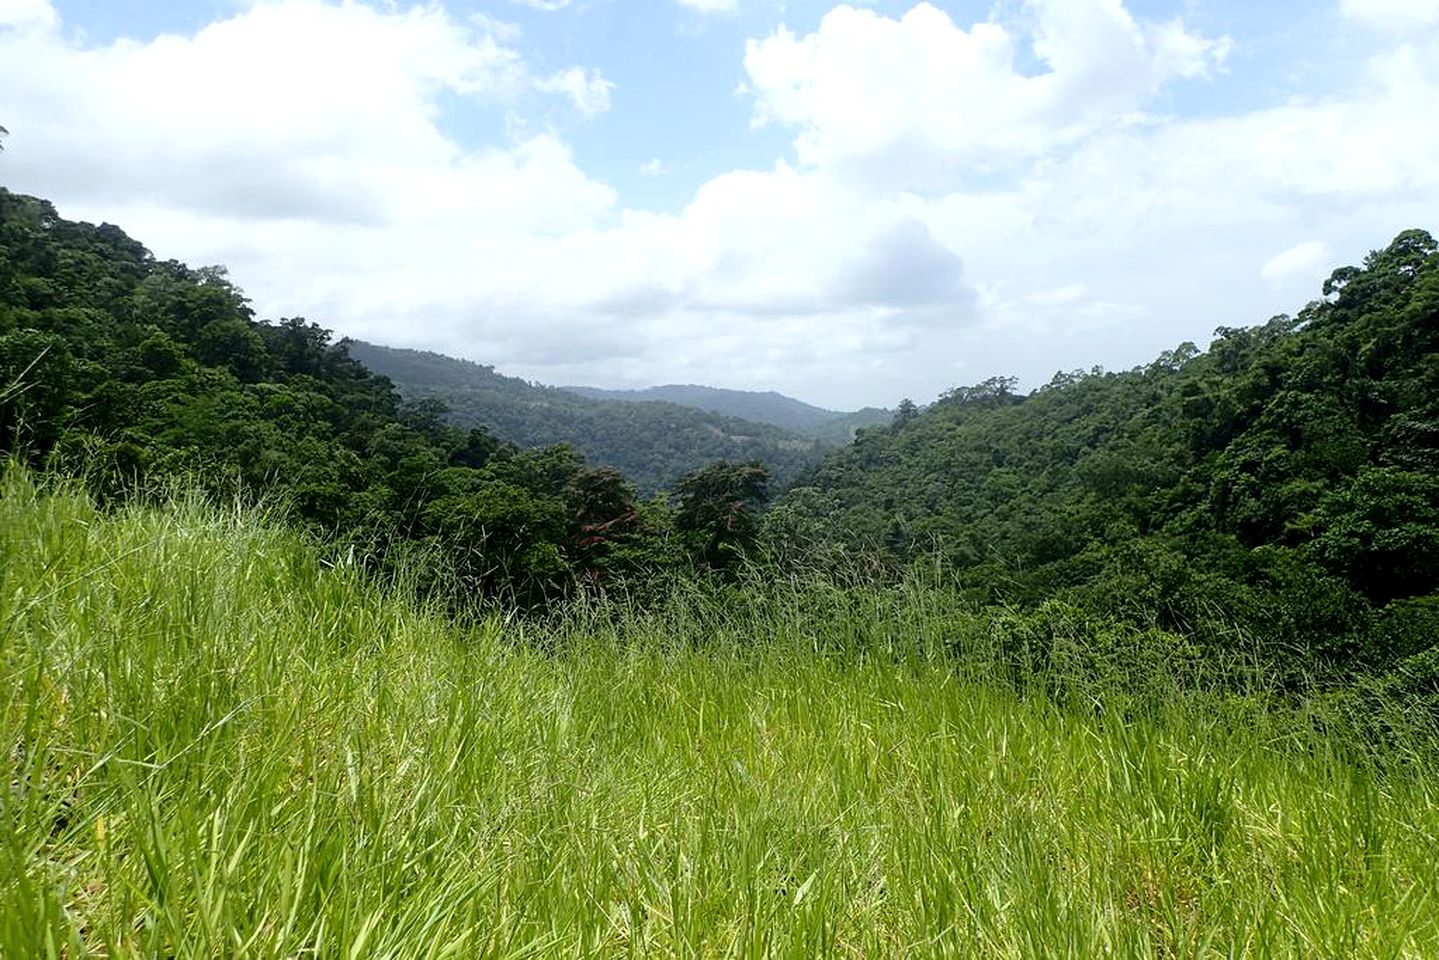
x,y
331,189
288,109
1392,15
1077,214
920,94
959,201
710,6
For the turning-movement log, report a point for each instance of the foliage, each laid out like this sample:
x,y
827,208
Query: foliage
x,y
1277,492
218,745
129,371
1281,487
719,511
653,442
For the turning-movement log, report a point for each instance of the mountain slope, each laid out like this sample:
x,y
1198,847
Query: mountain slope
x,y
1283,484
653,442
770,407
130,372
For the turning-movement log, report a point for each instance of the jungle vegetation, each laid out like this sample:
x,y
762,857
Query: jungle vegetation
x,y
1138,663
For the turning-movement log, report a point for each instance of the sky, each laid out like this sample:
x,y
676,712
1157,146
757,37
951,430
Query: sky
x,y
850,203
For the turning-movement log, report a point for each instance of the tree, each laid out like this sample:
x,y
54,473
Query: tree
x,y
599,499
604,518
906,413
719,511
1382,532
478,448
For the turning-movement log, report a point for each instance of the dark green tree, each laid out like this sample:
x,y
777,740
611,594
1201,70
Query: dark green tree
x,y
1382,532
718,512
604,522
905,413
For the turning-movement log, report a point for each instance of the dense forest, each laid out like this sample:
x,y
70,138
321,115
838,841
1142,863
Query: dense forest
x,y
1279,491
770,407
1135,664
653,444
128,371
1281,487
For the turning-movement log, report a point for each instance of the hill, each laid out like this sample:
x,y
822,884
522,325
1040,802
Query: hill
x,y
217,745
770,407
653,442
1276,496
1283,484
133,373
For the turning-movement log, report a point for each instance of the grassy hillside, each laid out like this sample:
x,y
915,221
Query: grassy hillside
x,y
216,746
770,407
652,443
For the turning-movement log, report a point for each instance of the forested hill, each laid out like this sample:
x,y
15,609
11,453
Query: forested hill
x,y
653,443
1280,489
128,372
1281,477
769,407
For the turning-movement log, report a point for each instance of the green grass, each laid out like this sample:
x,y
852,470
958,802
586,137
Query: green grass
x,y
217,746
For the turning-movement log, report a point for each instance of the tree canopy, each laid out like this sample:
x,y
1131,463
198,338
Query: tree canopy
x,y
125,370
1283,483
653,442
1279,489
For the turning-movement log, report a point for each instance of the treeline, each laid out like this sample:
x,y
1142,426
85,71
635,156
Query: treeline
x,y
1276,495
126,370
1280,488
787,413
653,444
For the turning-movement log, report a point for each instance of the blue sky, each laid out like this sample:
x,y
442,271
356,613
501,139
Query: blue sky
x,y
849,203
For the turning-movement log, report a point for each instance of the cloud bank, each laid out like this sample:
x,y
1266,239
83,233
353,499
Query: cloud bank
x,y
1009,196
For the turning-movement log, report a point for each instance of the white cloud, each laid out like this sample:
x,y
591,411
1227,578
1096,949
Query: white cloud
x,y
330,189
1392,15
920,97
292,108
954,208
654,167
710,6
1099,231
29,14
588,88
1308,260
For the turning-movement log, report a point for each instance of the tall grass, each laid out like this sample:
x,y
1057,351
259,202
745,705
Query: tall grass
x,y
217,746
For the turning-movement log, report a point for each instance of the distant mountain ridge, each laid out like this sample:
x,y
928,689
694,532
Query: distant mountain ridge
x,y
771,407
653,442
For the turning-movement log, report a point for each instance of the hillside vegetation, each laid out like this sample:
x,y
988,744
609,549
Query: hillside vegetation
x,y
768,407
131,371
653,443
1278,493
1139,664
216,745
1281,487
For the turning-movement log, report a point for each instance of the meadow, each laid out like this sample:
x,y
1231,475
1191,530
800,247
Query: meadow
x,y
218,744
